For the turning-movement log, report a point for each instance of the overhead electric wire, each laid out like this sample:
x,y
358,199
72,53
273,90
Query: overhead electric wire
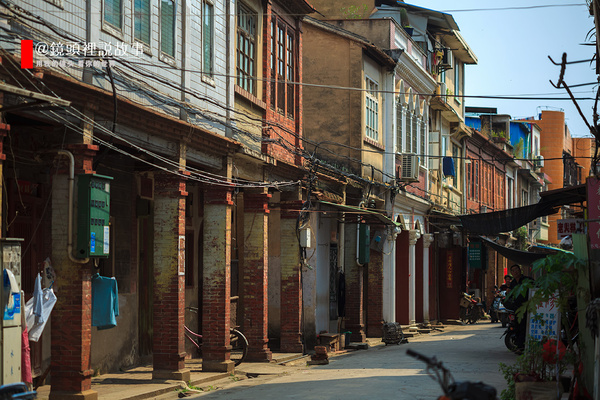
x,y
515,7
178,11
325,86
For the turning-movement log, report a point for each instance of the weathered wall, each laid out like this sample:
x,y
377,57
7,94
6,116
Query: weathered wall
x,y
333,114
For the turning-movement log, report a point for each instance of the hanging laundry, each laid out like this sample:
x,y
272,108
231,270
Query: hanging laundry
x,y
448,166
48,275
38,300
26,358
105,302
35,324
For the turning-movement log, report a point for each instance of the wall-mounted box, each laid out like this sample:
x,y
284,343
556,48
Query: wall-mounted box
x,y
93,214
305,237
364,243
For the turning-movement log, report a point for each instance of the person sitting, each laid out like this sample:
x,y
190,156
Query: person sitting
x,y
516,300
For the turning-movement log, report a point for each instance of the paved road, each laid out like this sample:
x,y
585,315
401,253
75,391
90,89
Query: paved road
x,y
382,372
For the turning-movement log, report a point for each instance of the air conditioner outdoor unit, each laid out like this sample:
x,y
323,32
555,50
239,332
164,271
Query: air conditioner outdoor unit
x,y
409,171
538,163
447,60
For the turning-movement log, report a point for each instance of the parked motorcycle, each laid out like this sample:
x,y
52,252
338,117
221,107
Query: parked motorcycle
x,y
454,390
471,309
497,310
511,333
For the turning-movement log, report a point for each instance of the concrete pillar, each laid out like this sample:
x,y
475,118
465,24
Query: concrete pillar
x,y
414,235
255,274
216,311
427,241
71,338
291,280
354,287
389,278
168,347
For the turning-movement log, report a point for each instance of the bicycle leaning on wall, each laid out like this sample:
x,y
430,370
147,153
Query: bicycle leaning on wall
x,y
239,343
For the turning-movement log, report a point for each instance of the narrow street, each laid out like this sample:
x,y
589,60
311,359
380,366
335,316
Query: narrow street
x,y
469,352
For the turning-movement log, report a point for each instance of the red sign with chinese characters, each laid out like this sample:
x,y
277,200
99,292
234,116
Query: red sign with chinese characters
x,y
449,268
593,189
566,227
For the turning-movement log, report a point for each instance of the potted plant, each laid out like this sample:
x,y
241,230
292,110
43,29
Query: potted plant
x,y
533,375
404,21
544,362
499,136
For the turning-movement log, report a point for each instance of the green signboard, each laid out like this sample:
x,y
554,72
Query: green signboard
x,y
364,243
93,214
475,255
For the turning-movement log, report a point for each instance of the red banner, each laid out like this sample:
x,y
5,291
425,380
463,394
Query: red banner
x,y
449,269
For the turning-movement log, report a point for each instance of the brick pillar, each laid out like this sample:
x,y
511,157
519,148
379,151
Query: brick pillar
x,y
354,286
4,129
255,274
168,352
291,282
216,311
72,331
375,294
84,157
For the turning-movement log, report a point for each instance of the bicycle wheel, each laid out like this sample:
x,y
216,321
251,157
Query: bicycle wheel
x,y
239,347
462,315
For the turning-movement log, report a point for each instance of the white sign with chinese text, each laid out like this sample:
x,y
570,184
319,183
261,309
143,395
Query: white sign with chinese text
x,y
567,227
545,322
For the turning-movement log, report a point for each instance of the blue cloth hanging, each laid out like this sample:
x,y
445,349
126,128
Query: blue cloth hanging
x,y
105,302
448,166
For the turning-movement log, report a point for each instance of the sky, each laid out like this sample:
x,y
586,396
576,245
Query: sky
x,y
512,47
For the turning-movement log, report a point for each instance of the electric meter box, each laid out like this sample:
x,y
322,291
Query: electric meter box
x,y
93,214
12,307
364,243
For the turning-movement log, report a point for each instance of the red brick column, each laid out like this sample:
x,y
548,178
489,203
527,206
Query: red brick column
x,y
84,157
354,287
291,282
4,129
375,294
216,311
255,274
72,315
168,352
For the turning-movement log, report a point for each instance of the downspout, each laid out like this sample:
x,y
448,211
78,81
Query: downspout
x,y
70,213
358,236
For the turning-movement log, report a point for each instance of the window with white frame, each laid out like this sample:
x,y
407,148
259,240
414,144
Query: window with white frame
x,y
141,21
408,129
510,192
247,21
457,81
208,28
524,198
112,13
399,126
414,134
371,109
167,27
283,67
423,134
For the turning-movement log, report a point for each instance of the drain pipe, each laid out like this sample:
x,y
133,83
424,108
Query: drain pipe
x,y
70,216
358,237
